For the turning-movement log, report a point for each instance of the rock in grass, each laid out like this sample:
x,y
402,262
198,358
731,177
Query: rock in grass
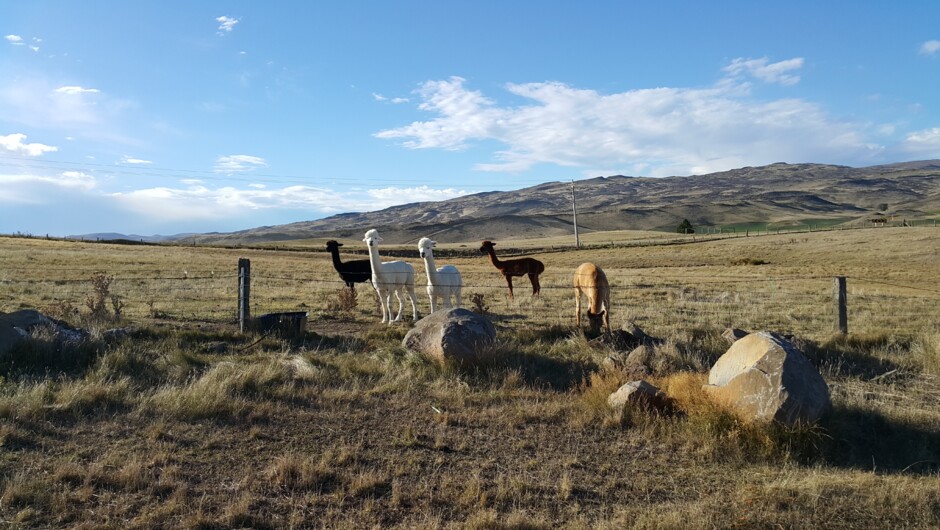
x,y
733,335
765,377
453,336
640,393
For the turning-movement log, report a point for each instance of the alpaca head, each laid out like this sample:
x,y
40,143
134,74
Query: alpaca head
x,y
425,246
332,245
487,246
372,237
596,319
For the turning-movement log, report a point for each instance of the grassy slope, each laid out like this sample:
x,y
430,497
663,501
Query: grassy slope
x,y
342,428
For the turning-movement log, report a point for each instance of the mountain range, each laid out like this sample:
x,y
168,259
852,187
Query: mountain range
x,y
777,195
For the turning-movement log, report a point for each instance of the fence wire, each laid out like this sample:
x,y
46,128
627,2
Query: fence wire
x,y
799,305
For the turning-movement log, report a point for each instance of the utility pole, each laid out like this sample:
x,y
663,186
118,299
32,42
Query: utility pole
x,y
574,208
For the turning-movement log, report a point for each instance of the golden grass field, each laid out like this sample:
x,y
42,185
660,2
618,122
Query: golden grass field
x,y
187,424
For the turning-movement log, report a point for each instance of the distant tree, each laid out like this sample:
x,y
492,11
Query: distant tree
x,y
686,227
882,207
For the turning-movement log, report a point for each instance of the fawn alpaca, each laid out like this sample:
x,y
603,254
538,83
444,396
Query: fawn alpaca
x,y
591,280
389,277
530,267
443,282
353,271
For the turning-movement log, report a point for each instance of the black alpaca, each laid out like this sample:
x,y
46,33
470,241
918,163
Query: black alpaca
x,y
352,272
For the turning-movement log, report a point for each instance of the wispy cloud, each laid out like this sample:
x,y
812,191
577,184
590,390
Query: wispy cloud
x,y
930,47
15,40
14,143
238,163
660,131
198,201
396,101
226,24
923,143
762,69
126,159
75,90
33,188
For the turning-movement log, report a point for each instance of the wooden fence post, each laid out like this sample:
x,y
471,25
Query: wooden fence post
x,y
244,293
841,305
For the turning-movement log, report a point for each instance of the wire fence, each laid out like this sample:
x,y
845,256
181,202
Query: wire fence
x,y
802,305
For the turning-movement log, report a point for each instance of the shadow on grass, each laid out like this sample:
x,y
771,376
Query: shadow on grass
x,y
867,440
852,355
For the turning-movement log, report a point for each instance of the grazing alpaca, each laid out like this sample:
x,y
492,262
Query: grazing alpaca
x,y
393,276
530,267
352,272
591,280
442,282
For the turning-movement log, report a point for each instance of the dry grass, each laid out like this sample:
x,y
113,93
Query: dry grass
x,y
185,424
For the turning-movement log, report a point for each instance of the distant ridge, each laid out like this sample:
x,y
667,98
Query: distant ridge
x,y
778,194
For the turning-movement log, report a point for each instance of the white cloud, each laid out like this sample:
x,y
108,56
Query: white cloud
x,y
924,143
396,101
768,73
75,90
126,159
33,188
198,202
14,144
226,24
15,40
669,131
34,48
465,115
930,47
238,163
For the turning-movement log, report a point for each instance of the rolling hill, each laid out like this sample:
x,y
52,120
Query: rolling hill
x,y
775,195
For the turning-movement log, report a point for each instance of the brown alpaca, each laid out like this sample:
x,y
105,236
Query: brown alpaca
x,y
530,267
591,280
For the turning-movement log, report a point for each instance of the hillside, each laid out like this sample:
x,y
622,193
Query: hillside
x,y
778,194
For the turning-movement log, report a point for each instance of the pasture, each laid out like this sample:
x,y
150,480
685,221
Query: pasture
x,y
186,423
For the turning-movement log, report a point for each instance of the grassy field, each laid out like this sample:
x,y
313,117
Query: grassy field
x,y
185,423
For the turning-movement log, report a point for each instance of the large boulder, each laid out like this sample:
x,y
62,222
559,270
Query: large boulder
x,y
453,336
765,377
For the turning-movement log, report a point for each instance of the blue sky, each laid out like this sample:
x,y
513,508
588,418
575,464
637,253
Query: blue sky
x,y
169,117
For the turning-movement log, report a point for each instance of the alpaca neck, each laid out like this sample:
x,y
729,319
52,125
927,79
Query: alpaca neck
x,y
496,263
337,264
374,258
430,266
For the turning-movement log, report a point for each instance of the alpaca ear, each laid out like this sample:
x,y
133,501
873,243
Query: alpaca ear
x,y
433,243
339,244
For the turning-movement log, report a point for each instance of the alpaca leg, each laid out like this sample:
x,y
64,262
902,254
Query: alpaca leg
x,y
431,296
457,296
414,302
509,283
382,303
446,297
401,305
577,306
534,278
607,313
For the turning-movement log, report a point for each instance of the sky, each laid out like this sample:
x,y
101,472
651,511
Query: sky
x,y
166,117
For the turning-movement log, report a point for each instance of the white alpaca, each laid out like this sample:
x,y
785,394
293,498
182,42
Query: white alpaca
x,y
393,276
442,282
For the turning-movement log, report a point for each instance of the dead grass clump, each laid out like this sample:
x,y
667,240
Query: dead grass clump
x,y
295,472
926,351
208,396
592,399
26,490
